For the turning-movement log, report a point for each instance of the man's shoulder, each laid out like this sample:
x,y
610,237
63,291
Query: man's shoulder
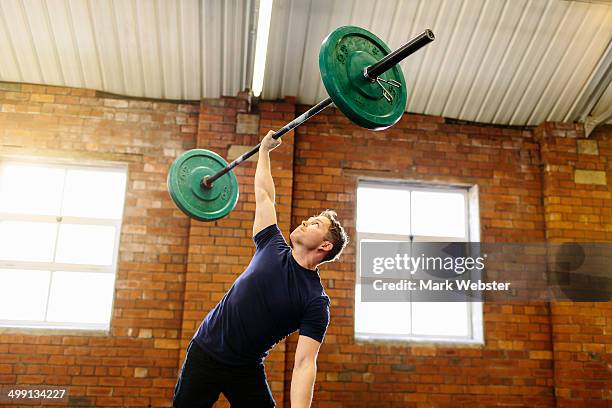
x,y
266,232
269,235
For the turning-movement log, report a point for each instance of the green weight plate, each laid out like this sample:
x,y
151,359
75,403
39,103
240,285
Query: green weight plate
x,y
343,56
204,204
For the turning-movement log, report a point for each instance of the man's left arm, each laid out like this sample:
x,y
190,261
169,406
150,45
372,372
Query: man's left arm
x,y
304,372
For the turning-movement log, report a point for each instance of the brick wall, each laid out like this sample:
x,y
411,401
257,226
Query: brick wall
x,y
578,208
534,186
135,364
173,271
515,367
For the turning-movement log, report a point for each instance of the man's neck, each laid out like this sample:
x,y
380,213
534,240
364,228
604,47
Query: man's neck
x,y
305,259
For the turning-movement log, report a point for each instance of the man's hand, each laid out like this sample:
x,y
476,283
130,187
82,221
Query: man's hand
x,y
268,143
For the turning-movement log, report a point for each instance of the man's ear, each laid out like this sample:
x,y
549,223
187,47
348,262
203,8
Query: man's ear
x,y
326,246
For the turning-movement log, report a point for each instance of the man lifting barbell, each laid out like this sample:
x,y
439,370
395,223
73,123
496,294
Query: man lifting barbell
x,y
278,293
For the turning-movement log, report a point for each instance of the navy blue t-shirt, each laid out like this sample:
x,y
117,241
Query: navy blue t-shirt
x,y
271,299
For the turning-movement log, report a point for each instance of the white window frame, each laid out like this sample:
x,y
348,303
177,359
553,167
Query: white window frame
x,y
53,267
472,233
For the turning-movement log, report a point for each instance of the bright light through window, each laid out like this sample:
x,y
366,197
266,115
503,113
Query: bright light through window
x,y
384,210
86,244
87,193
438,214
59,230
27,241
440,318
376,317
30,189
401,212
81,297
23,294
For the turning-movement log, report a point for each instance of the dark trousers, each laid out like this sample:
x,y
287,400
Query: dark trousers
x,y
203,379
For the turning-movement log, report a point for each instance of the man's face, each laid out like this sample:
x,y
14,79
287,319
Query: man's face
x,y
311,232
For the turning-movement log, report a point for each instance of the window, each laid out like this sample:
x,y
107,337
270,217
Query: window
x,y
59,238
388,211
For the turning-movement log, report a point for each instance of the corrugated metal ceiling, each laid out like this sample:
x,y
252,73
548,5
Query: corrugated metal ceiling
x,y
516,62
163,49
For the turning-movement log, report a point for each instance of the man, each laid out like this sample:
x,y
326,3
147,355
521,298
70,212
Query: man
x,y
278,293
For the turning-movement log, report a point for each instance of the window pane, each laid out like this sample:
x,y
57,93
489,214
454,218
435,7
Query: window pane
x,y
381,317
23,294
438,214
440,318
383,210
94,193
80,297
30,189
27,241
86,244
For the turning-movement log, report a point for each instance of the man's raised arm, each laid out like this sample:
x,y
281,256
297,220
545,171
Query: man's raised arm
x,y
265,213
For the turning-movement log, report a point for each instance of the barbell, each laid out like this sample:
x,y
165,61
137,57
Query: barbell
x,y
362,79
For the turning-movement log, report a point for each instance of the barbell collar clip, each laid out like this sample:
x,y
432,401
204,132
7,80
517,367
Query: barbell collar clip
x,y
386,94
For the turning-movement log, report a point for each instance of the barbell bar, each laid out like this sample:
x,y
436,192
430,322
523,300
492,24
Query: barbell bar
x,y
369,90
207,181
371,73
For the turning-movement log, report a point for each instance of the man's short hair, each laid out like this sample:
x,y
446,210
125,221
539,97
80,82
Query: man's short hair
x,y
335,235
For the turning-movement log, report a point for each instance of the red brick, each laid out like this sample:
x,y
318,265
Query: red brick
x,y
172,270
